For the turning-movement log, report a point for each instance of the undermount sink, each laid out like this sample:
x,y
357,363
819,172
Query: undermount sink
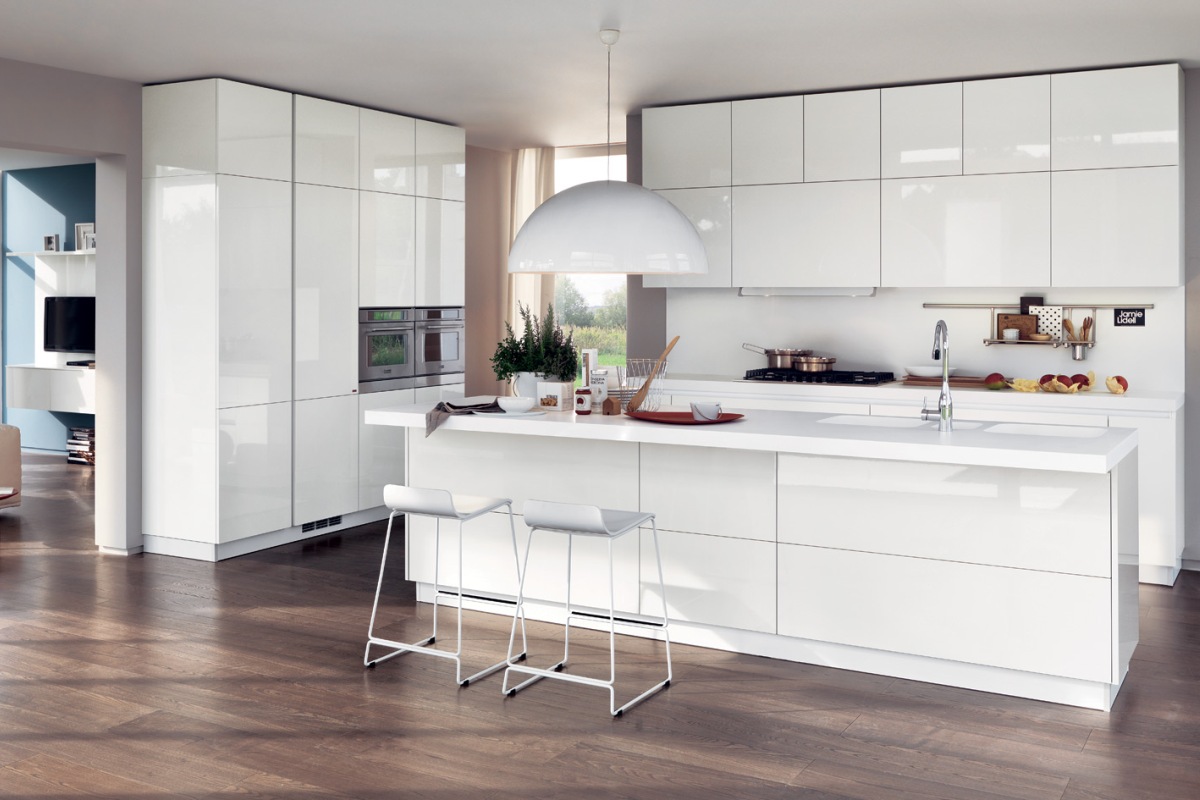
x,y
875,422
1064,431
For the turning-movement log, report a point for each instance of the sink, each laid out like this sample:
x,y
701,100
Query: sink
x,y
875,422
1064,431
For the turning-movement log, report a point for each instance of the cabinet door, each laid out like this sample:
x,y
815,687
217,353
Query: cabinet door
x,y
1006,125
686,146
380,448
387,152
441,252
1117,227
179,123
921,130
326,143
255,469
325,465
1160,493
254,265
254,131
841,136
387,250
689,489
815,234
441,161
326,291
711,211
768,140
1117,117
978,230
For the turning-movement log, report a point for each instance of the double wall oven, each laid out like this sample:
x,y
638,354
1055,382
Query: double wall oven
x,y
405,348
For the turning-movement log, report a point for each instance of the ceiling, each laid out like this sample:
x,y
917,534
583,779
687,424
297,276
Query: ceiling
x,y
532,72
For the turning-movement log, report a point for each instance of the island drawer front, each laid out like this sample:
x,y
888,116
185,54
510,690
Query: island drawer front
x,y
1011,618
710,490
488,566
1029,519
711,580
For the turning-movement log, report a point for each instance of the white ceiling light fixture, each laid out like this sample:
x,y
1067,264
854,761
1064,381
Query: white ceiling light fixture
x,y
608,226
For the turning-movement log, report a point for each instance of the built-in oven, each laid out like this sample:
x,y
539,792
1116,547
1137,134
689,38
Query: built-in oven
x,y
386,349
441,345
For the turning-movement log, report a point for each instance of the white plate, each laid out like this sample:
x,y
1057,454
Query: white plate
x,y
928,372
537,412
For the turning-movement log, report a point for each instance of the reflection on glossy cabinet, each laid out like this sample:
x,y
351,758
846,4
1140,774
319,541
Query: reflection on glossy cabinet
x,y
921,130
441,252
841,136
255,469
326,291
1126,117
326,143
1161,492
380,448
387,250
978,230
325,458
813,234
254,131
441,161
689,489
1006,125
387,152
768,140
1117,227
686,146
711,211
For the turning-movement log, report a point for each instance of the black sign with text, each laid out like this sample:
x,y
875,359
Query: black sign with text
x,y
1129,317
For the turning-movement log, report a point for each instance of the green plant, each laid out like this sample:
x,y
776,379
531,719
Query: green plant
x,y
541,347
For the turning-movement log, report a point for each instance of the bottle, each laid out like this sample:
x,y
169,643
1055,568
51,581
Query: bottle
x,y
583,400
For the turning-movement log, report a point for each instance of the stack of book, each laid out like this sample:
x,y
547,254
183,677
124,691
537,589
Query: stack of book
x,y
81,446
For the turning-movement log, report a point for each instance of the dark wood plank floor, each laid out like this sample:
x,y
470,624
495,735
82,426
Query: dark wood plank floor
x,y
154,677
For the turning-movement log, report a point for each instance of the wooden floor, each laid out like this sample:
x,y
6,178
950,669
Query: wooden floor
x,y
155,677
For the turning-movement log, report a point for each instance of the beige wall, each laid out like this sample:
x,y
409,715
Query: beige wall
x,y
1191,250
489,193
646,329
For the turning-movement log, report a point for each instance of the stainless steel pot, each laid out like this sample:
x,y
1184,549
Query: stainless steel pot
x,y
813,363
779,357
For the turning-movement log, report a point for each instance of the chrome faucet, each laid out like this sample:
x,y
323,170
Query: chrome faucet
x,y
941,350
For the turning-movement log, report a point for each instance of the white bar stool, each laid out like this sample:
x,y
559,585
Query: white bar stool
x,y
582,520
441,505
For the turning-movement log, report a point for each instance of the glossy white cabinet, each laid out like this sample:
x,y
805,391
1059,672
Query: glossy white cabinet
x,y
387,152
255,469
380,448
686,146
387,250
179,129
1161,491
326,143
441,252
768,140
815,234
1117,227
841,136
921,130
325,461
325,280
254,291
1127,117
977,230
711,211
70,389
688,489
441,161
1006,125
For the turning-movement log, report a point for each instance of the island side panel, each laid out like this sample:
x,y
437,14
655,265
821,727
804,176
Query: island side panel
x,y
1126,519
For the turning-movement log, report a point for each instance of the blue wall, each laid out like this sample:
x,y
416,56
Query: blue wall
x,y
37,202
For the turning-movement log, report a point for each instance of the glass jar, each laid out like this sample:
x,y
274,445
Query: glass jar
x,y
583,400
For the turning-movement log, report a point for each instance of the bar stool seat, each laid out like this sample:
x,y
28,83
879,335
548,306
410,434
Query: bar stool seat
x,y
609,524
440,505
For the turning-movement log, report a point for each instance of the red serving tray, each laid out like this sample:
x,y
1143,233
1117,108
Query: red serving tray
x,y
680,417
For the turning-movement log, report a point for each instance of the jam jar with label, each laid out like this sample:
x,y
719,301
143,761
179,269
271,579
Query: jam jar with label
x,y
583,400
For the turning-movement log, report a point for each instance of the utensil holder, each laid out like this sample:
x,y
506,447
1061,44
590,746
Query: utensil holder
x,y
637,372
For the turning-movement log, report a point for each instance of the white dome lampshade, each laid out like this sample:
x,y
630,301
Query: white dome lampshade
x,y
608,226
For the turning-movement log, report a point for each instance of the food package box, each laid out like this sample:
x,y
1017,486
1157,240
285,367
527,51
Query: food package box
x,y
1025,323
555,396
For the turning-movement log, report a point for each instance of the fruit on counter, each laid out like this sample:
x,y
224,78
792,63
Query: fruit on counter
x,y
1025,385
1117,384
1045,379
1082,381
995,381
1064,380
1062,384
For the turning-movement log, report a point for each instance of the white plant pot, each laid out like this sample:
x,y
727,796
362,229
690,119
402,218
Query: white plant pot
x,y
525,383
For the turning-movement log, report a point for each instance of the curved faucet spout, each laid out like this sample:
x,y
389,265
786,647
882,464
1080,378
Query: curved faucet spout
x,y
941,351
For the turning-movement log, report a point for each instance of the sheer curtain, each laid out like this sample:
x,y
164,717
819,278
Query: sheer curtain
x,y
532,184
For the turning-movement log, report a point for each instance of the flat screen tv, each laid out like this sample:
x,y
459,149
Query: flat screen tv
x,y
69,324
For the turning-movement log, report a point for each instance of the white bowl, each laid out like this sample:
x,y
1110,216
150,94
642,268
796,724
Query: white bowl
x,y
515,405
934,371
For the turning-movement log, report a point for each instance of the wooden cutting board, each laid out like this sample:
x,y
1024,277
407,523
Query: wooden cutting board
x,y
959,381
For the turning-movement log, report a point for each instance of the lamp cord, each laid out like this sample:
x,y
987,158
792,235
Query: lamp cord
x,y
608,121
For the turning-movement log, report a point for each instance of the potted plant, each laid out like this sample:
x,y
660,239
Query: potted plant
x,y
542,351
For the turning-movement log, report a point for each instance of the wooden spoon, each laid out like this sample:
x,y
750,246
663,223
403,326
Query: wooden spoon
x,y
1069,327
639,397
1086,334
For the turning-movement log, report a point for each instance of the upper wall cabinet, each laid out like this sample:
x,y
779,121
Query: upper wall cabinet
x,y
387,154
1117,117
711,211
841,136
441,161
441,252
768,140
326,143
216,126
387,250
686,146
1006,125
921,131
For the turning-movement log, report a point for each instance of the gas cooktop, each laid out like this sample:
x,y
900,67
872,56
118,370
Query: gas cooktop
x,y
828,376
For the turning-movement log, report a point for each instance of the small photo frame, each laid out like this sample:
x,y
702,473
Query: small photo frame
x,y
82,229
89,241
50,243
555,396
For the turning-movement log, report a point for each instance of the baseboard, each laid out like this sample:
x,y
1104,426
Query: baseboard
x,y
1190,564
1156,573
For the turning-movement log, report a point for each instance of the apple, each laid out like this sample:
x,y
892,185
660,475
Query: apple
x,y
1082,381
1117,384
1065,381
1045,379
995,381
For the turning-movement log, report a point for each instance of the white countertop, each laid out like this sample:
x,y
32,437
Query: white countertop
x,y
1097,450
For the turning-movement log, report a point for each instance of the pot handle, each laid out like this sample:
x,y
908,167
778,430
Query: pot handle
x,y
753,348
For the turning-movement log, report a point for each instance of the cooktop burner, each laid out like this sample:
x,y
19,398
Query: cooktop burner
x,y
829,376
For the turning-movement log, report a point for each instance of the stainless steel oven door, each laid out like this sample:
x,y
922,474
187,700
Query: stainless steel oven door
x,y
441,347
386,350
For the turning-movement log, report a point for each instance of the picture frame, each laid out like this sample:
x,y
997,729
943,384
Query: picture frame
x,y
82,229
50,243
555,396
89,241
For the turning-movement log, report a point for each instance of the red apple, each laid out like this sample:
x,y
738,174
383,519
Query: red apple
x,y
1117,384
1065,381
1045,379
995,381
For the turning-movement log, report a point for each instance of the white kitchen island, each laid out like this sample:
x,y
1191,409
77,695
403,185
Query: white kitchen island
x,y
1000,557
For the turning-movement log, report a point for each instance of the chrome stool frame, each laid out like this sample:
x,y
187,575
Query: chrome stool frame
x,y
442,505
575,520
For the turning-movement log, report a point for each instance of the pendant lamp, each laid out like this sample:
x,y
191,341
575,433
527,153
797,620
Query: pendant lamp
x,y
608,226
